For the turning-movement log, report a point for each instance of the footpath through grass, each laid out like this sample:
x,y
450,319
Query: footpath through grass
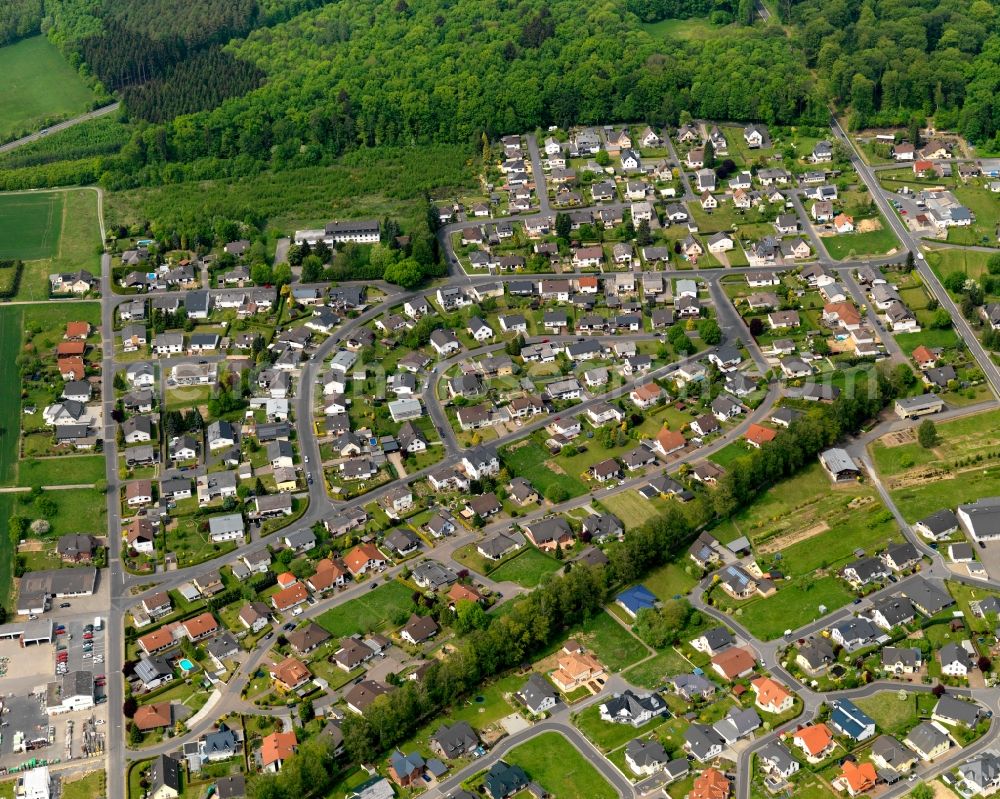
x,y
38,86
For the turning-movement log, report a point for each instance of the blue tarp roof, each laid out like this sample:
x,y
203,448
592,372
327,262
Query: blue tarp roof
x,y
637,598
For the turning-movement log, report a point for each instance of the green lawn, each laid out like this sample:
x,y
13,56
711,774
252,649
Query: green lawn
x,y
38,86
557,766
945,339
893,715
670,579
606,735
969,262
63,470
613,645
877,242
529,461
632,509
654,672
378,609
796,603
898,459
91,786
528,568
80,510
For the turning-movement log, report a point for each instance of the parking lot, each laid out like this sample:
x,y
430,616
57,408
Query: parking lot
x,y
79,648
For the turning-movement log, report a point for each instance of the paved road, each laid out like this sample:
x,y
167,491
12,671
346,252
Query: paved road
x,y
911,243
100,112
541,188
321,506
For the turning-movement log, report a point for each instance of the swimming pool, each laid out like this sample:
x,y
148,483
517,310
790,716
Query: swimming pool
x,y
186,664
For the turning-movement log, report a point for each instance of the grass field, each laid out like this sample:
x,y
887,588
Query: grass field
x,y
608,735
6,550
613,645
934,339
877,242
10,392
63,470
691,29
529,568
654,672
670,580
923,481
530,461
376,610
557,766
633,509
892,715
969,262
91,786
30,225
38,86
781,518
79,510
796,604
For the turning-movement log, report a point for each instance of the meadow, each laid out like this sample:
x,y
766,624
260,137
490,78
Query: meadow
x,y
10,393
39,87
876,242
963,467
552,762
374,610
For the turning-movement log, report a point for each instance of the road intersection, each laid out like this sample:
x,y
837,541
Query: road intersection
x,y
128,589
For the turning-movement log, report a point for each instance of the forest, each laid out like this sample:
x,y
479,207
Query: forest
x,y
234,89
887,60
19,19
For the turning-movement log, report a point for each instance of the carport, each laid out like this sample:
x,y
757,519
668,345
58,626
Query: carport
x,y
30,632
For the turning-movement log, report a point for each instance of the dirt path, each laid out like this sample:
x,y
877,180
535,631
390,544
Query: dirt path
x,y
782,541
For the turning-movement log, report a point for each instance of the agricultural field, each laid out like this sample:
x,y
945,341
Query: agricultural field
x,y
376,610
39,87
51,232
965,466
557,766
529,568
30,225
6,550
